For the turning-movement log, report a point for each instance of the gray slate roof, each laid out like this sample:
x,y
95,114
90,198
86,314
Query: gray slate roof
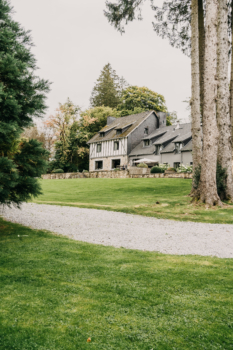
x,y
167,134
183,138
188,147
172,133
169,148
140,150
120,123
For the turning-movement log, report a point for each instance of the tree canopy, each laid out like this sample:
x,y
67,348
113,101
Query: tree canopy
x,y
22,96
108,88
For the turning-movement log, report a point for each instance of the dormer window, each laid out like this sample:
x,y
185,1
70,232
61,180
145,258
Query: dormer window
x,y
119,131
157,150
146,131
101,134
177,147
146,143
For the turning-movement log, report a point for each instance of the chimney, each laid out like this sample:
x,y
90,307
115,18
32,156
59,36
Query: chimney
x,y
110,120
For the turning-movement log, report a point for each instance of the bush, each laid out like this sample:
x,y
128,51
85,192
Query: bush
x,y
142,165
185,169
85,171
157,170
164,166
171,169
57,171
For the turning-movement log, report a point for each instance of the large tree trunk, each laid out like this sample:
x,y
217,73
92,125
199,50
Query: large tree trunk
x,y
231,85
207,190
223,113
195,100
201,28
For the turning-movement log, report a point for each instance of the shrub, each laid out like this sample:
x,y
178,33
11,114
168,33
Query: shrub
x,y
157,170
142,165
57,171
221,177
85,171
164,166
185,169
171,169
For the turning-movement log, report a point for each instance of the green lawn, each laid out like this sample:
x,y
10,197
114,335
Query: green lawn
x,y
55,293
136,196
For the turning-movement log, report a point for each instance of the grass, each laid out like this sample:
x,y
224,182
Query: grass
x,y
55,293
161,198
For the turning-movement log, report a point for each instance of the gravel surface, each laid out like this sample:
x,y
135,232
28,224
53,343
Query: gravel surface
x,y
126,230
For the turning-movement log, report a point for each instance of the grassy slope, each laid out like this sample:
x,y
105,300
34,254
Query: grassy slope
x,y
55,293
137,196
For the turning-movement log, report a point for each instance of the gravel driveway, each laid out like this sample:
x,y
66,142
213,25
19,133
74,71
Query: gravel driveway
x,y
126,230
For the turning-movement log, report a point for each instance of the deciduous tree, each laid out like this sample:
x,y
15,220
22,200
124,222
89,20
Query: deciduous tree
x,y
223,112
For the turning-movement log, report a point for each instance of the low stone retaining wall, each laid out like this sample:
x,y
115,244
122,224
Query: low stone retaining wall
x,y
121,174
65,176
131,173
166,176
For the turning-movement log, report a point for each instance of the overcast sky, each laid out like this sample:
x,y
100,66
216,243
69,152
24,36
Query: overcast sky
x,y
73,41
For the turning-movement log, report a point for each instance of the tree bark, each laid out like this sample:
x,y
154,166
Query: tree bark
x,y
231,84
201,28
195,100
223,113
207,190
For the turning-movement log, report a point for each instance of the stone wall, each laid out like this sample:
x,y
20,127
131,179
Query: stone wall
x,y
131,173
65,176
121,174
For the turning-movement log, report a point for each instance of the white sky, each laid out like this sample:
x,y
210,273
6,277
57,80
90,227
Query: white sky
x,y
73,41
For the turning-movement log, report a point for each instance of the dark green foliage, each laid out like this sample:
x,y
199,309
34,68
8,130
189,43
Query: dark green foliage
x,y
108,88
172,21
221,177
56,292
8,180
22,95
57,171
141,98
157,170
123,11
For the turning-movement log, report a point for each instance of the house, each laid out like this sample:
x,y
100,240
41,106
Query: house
x,y
145,135
170,145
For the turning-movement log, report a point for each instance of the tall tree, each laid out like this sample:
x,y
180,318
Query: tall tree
x,y
223,113
107,90
207,191
195,100
22,95
231,83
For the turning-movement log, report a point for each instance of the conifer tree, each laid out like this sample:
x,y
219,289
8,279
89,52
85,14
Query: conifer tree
x,y
22,95
107,90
